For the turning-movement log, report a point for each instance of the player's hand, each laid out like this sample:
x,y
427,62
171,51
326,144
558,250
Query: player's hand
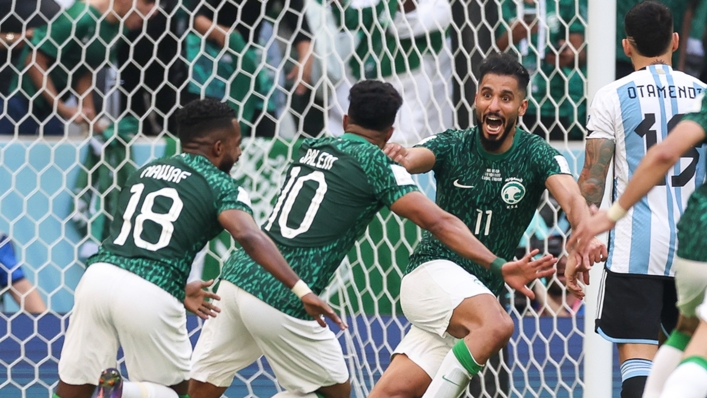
x,y
595,252
518,274
582,236
576,275
316,308
396,152
197,299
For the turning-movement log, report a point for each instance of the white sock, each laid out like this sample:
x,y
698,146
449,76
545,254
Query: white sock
x,y
287,394
666,360
453,377
689,380
145,389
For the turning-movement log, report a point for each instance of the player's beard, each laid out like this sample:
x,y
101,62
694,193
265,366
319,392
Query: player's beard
x,y
492,145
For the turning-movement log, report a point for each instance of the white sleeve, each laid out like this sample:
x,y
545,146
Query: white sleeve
x,y
429,16
604,115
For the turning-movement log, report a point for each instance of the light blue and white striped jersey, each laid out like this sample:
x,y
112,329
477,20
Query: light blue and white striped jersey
x,y
637,112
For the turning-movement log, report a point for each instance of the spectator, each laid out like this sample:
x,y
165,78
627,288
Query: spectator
x,y
403,43
13,281
16,28
552,299
232,30
62,58
549,36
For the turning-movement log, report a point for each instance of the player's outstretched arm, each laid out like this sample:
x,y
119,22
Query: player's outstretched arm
x,y
565,189
415,160
652,169
263,250
454,233
197,299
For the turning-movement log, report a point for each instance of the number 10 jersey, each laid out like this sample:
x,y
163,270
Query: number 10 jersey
x,y
638,112
167,211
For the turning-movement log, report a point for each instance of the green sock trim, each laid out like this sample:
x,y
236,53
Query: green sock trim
x,y
678,340
55,396
463,355
319,395
701,361
184,396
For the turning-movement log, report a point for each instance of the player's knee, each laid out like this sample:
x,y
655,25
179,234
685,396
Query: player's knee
x,y
687,325
500,331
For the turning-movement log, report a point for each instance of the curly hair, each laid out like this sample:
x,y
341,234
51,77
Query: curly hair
x,y
201,117
373,104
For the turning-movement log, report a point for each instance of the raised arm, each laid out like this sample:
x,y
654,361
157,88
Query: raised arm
x,y
415,160
456,235
263,250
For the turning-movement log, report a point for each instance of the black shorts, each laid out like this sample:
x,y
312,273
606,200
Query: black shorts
x,y
634,308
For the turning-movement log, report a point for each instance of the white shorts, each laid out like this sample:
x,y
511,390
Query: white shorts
x,y
428,296
304,356
114,307
690,282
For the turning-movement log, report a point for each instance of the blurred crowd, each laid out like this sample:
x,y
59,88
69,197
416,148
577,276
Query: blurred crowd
x,y
106,67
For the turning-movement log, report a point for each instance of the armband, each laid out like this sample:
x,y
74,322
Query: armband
x,y
496,265
300,289
616,212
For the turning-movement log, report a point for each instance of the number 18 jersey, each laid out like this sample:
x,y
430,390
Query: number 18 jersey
x,y
331,193
637,112
167,211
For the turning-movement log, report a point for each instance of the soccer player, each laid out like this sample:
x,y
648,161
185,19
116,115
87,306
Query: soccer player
x,y
492,177
689,380
627,117
132,292
330,195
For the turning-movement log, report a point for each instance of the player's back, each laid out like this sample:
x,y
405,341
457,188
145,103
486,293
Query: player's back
x,y
331,192
167,212
638,112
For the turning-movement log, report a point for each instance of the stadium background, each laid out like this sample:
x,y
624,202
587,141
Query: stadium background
x,y
41,176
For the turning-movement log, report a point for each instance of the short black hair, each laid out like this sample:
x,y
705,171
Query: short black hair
x,y
505,65
373,104
200,117
649,27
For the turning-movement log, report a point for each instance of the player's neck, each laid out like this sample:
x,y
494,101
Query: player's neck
x,y
373,136
640,62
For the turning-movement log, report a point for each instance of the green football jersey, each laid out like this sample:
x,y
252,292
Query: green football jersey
x,y
167,211
330,195
693,223
495,195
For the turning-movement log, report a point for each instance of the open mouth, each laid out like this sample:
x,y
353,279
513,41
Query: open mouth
x,y
494,124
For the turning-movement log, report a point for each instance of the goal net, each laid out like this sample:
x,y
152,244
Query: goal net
x,y
59,174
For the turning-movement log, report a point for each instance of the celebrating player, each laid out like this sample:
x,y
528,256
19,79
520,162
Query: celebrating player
x,y
627,117
492,177
332,191
132,292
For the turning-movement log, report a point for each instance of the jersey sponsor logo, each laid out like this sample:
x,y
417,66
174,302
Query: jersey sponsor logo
x,y
564,166
402,177
512,192
459,185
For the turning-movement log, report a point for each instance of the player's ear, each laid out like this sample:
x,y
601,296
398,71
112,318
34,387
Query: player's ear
x,y
523,107
217,148
627,47
346,122
675,42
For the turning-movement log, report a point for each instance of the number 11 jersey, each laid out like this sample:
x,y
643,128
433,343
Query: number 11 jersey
x,y
167,211
637,112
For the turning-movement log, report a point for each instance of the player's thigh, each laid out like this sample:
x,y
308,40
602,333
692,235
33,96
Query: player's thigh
x,y
630,308
225,345
445,285
152,329
91,341
304,356
691,283
403,379
425,349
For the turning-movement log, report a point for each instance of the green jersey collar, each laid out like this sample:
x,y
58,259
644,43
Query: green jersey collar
x,y
495,156
354,137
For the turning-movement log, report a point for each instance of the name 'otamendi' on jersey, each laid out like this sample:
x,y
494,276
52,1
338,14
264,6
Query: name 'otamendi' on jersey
x,y
637,112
